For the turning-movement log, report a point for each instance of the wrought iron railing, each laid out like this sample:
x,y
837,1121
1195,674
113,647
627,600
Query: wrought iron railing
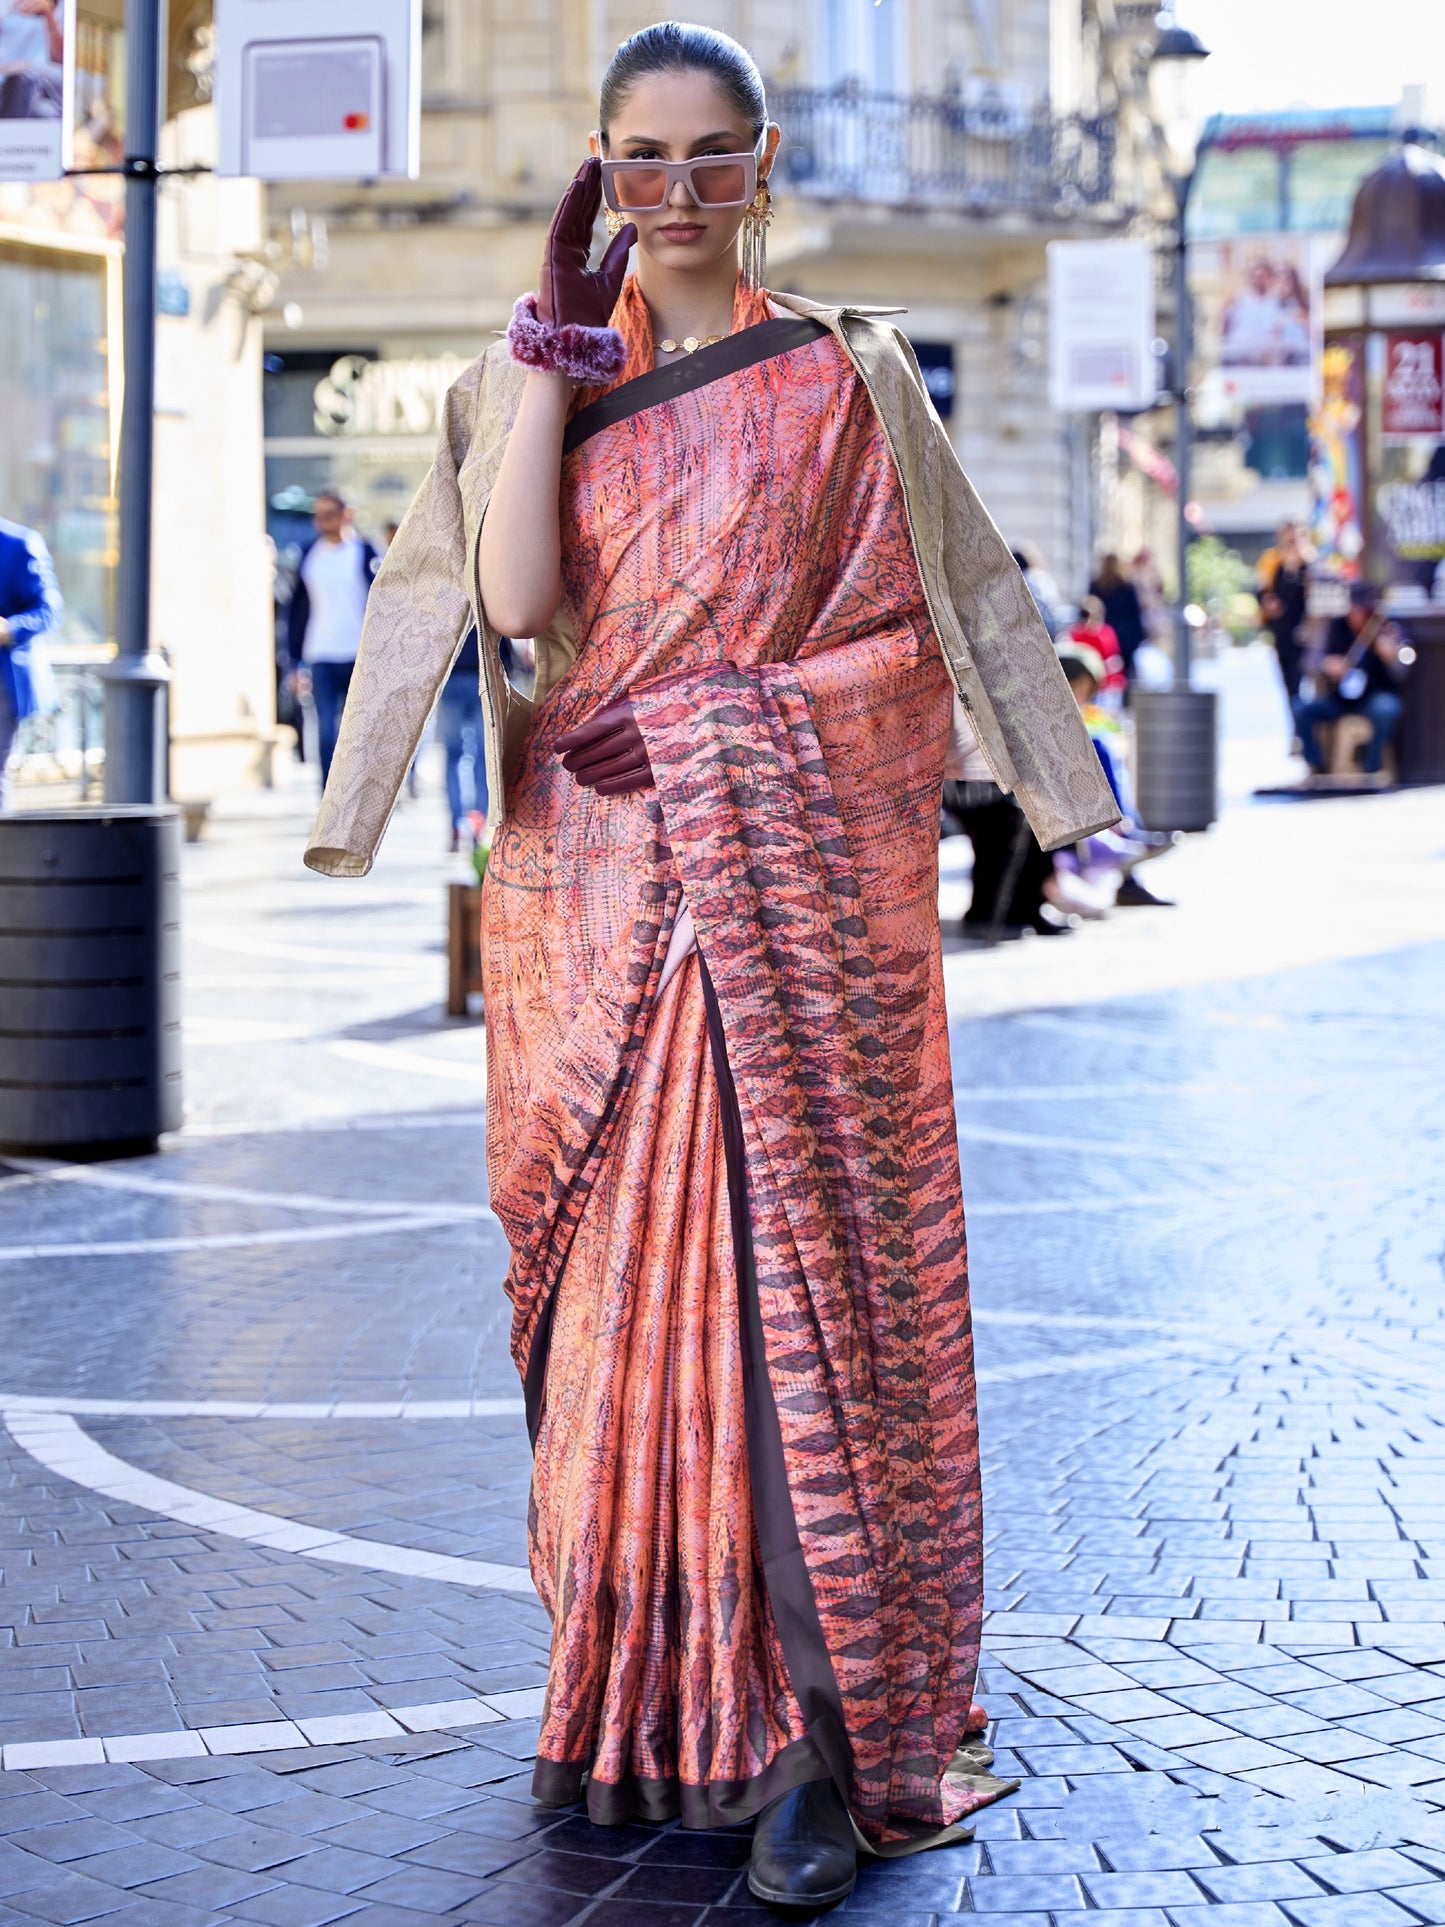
x,y
939,152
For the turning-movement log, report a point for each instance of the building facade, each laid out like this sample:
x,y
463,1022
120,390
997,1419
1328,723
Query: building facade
x,y
930,152
61,392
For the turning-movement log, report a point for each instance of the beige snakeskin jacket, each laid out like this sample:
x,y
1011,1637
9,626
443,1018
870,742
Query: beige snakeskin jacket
x,y
426,594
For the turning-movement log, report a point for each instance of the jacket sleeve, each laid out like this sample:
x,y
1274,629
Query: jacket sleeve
x,y
37,594
416,615
994,638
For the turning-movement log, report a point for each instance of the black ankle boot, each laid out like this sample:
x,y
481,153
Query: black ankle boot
x,y
804,1849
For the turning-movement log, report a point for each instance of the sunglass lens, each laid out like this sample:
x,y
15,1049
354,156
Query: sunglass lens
x,y
719,183
639,188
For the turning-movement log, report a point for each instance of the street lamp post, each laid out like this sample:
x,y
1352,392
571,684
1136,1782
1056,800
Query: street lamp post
x,y
1182,184
1176,732
90,1054
135,682
1177,56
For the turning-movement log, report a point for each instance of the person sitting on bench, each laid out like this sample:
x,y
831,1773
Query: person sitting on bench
x,y
1355,676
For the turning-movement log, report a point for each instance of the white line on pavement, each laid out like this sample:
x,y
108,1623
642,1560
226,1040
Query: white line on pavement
x,y
55,1441
397,1121
90,1174
420,1408
274,1736
389,1057
241,943
1116,1361
228,1240
1106,1091
244,1030
1039,1141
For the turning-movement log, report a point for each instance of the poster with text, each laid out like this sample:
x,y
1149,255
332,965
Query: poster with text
x,y
1413,395
37,79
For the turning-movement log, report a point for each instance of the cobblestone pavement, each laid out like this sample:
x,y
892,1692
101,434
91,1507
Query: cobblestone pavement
x,y
272,1655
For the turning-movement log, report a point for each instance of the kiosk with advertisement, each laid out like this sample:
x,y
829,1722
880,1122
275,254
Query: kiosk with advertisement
x,y
1378,455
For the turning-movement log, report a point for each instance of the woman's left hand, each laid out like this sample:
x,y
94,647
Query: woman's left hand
x,y
607,753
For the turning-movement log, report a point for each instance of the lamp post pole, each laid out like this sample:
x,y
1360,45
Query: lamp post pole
x,y
1183,448
135,682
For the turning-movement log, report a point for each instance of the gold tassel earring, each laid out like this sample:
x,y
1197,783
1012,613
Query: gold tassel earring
x,y
615,222
755,237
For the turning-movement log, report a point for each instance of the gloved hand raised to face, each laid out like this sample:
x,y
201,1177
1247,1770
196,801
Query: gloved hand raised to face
x,y
569,292
565,327
607,753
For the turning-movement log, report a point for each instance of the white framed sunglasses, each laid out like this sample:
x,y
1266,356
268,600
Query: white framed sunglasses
x,y
713,180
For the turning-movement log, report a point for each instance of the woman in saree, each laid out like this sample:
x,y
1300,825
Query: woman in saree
x,y
720,1128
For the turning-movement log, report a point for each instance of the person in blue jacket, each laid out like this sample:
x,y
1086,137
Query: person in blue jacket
x,y
29,606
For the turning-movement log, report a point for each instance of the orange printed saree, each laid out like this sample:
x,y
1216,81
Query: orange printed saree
x,y
739,1275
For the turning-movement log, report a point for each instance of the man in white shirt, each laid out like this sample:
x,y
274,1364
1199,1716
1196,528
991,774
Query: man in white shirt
x,y
31,44
323,627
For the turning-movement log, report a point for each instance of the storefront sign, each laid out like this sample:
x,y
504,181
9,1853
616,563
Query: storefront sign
x,y
1414,396
37,89
362,397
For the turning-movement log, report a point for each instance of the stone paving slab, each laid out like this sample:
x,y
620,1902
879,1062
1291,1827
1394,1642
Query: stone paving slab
x,y
1211,1337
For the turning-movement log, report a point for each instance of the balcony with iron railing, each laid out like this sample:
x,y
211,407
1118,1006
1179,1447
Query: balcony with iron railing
x,y
940,153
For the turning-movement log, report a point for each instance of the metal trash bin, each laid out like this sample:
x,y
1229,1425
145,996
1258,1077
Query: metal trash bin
x,y
90,980
1176,757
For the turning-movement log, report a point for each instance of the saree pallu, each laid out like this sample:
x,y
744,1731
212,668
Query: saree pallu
x,y
739,1273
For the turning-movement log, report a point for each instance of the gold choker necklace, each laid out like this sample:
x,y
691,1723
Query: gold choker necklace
x,y
689,344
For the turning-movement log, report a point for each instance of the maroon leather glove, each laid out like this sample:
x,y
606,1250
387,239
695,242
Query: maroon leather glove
x,y
607,753
569,293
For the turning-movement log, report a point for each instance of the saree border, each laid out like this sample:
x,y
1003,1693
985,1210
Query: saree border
x,y
785,1569
762,342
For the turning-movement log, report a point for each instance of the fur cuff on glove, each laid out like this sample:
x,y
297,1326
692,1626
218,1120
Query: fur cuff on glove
x,y
587,355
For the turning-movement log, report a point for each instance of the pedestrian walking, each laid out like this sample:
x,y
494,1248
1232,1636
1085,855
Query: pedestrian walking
x,y
1282,583
1357,675
1093,632
328,605
30,607
1149,587
1123,610
721,1137
1048,598
460,731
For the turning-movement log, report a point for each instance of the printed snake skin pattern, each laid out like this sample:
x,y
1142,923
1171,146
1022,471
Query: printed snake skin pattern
x,y
739,560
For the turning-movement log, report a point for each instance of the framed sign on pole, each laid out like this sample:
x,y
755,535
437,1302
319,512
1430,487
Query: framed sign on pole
x,y
37,89
309,91
1101,326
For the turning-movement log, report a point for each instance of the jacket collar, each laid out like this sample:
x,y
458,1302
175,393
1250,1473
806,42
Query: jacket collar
x,y
829,315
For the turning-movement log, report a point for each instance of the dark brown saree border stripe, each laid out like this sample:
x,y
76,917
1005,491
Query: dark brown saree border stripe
x,y
727,357
790,1586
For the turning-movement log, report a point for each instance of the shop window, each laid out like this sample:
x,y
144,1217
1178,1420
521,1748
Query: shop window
x,y
861,41
55,471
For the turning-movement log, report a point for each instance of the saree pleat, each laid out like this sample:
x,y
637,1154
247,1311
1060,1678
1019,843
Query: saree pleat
x,y
739,1273
641,1498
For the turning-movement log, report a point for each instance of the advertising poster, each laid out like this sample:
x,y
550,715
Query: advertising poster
x,y
1337,461
1408,408
1413,401
1256,312
37,83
